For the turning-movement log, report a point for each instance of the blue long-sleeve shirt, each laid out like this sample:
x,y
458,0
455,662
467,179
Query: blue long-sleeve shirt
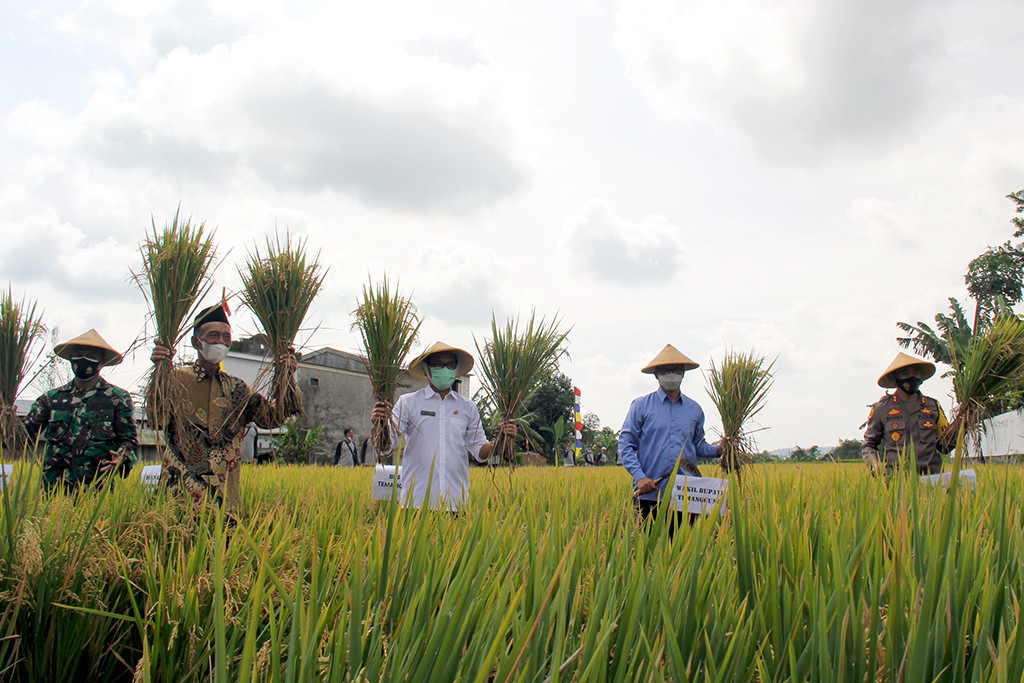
x,y
656,431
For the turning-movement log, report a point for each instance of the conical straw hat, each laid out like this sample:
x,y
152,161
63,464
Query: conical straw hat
x,y
902,360
417,367
91,338
670,356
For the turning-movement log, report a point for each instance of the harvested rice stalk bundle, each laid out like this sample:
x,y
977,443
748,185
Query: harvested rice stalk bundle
x,y
991,373
739,389
20,327
513,364
388,326
279,286
176,263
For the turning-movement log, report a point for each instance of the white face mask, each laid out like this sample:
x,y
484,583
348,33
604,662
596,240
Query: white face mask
x,y
214,353
670,381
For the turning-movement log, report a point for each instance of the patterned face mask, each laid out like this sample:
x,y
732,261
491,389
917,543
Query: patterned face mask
x,y
84,368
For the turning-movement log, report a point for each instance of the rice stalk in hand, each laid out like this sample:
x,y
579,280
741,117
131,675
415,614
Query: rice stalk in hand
x,y
20,328
176,266
514,362
279,286
739,388
388,327
990,373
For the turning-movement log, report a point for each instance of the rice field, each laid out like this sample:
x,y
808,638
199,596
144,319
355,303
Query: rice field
x,y
817,572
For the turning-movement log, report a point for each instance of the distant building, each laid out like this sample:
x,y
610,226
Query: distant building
x,y
336,390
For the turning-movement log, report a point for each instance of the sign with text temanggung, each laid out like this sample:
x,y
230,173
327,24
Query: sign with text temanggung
x,y
384,478
700,495
968,479
151,476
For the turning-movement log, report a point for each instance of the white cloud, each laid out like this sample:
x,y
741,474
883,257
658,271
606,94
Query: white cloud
x,y
805,78
460,284
611,248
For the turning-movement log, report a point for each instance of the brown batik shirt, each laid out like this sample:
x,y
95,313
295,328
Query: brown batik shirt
x,y
205,430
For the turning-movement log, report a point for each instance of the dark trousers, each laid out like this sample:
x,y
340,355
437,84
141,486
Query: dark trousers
x,y
648,511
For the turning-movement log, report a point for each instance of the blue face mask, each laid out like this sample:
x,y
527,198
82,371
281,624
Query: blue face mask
x,y
442,378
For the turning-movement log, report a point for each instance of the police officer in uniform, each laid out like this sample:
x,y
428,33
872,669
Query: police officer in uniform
x,y
906,417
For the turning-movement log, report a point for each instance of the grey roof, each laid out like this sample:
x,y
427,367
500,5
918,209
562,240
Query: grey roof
x,y
333,358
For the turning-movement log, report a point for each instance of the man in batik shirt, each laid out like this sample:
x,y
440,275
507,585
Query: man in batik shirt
x,y
87,423
206,415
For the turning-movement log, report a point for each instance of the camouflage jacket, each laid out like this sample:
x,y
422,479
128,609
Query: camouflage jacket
x,y
81,428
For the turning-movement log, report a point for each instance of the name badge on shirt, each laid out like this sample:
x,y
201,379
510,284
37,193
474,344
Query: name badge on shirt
x,y
429,413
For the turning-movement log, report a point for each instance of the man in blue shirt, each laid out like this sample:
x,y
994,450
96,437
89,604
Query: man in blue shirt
x,y
662,428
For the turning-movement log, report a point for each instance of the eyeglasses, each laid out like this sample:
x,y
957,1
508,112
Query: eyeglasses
x,y
213,337
451,365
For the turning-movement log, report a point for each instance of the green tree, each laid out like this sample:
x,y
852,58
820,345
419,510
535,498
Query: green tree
x,y
848,449
1018,199
996,274
297,445
805,455
554,401
995,280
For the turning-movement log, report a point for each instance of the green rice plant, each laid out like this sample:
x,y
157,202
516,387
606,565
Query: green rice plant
x,y
279,286
176,266
990,374
828,574
388,327
514,362
739,389
20,328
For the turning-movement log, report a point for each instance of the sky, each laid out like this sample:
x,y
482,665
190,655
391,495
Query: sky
x,y
789,177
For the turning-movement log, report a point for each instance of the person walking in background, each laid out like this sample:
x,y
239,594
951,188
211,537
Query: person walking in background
x,y
906,417
88,423
346,451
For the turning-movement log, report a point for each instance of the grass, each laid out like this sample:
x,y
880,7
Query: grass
x,y
990,373
279,286
20,328
739,389
388,328
176,263
514,362
828,574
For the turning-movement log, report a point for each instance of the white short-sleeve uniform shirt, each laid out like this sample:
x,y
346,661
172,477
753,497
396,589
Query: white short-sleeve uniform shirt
x,y
438,433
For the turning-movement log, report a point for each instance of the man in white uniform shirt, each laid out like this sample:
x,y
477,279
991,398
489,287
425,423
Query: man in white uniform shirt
x,y
440,428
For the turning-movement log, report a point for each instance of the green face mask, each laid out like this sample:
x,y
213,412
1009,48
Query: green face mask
x,y
442,378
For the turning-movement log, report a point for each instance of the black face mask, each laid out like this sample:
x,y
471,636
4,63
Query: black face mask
x,y
85,368
909,385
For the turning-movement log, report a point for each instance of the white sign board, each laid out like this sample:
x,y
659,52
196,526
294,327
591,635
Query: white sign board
x,y
151,476
5,473
384,478
699,495
1003,435
967,478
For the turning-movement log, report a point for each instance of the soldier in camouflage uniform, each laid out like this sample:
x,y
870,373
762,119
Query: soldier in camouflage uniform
x,y
906,417
87,423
